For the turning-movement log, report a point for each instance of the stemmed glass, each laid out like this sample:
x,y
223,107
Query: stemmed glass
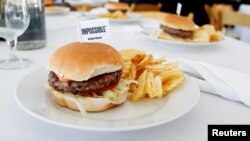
x,y
17,19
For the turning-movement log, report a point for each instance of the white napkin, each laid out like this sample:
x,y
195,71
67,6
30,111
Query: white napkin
x,y
230,84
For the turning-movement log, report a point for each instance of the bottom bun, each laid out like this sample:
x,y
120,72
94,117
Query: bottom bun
x,y
86,104
165,36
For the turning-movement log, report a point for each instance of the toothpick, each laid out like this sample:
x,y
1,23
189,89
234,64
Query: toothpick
x,y
178,10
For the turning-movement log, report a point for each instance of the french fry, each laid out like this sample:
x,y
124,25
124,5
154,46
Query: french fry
x,y
171,66
156,69
215,37
165,76
126,68
143,63
171,85
132,73
149,85
129,54
139,92
138,58
160,60
206,33
146,60
158,87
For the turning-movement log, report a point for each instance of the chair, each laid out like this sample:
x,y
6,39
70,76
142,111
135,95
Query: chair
x,y
145,7
214,13
235,18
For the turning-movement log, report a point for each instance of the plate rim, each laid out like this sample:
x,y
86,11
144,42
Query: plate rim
x,y
128,20
105,129
191,44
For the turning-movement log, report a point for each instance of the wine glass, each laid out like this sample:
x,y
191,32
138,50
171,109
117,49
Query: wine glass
x,y
17,19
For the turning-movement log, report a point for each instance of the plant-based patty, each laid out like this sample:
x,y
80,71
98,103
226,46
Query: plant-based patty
x,y
112,11
93,85
177,32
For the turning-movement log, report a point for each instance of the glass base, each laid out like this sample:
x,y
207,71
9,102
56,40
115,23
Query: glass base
x,y
13,64
30,45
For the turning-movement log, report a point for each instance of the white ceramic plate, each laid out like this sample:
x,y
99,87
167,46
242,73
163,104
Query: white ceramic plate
x,y
57,10
150,32
33,98
131,18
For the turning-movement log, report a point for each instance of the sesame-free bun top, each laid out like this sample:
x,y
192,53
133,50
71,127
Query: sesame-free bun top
x,y
82,61
178,22
117,6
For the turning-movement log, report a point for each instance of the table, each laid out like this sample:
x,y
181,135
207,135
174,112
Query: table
x,y
158,15
17,125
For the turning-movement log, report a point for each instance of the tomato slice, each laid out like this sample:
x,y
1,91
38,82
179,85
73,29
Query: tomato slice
x,y
102,89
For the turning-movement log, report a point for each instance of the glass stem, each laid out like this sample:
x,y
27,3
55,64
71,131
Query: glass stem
x,y
12,46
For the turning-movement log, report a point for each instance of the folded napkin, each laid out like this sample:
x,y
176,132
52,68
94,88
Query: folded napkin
x,y
230,84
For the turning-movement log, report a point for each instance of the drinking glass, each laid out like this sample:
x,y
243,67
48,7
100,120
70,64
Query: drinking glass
x,y
17,19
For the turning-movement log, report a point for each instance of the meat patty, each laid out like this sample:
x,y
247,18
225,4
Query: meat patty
x,y
112,11
177,32
85,87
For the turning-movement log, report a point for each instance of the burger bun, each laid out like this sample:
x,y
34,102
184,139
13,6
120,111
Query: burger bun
x,y
82,61
178,22
117,6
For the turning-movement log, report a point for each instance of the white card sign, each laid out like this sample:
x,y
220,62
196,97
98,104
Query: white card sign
x,y
94,30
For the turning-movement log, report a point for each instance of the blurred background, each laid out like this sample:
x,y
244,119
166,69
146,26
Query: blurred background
x,y
232,17
197,7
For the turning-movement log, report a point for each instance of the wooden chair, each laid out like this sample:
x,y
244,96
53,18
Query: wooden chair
x,y
145,7
214,13
235,18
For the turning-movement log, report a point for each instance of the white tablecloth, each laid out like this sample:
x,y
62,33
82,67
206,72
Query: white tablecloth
x,y
17,125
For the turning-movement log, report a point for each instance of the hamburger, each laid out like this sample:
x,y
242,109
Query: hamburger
x,y
87,77
176,27
117,6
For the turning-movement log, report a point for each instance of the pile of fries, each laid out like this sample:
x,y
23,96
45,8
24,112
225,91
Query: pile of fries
x,y
155,77
206,33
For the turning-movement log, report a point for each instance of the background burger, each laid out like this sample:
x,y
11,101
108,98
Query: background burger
x,y
117,6
176,27
86,77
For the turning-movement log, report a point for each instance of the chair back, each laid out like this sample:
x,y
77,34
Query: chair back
x,y
214,13
235,18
